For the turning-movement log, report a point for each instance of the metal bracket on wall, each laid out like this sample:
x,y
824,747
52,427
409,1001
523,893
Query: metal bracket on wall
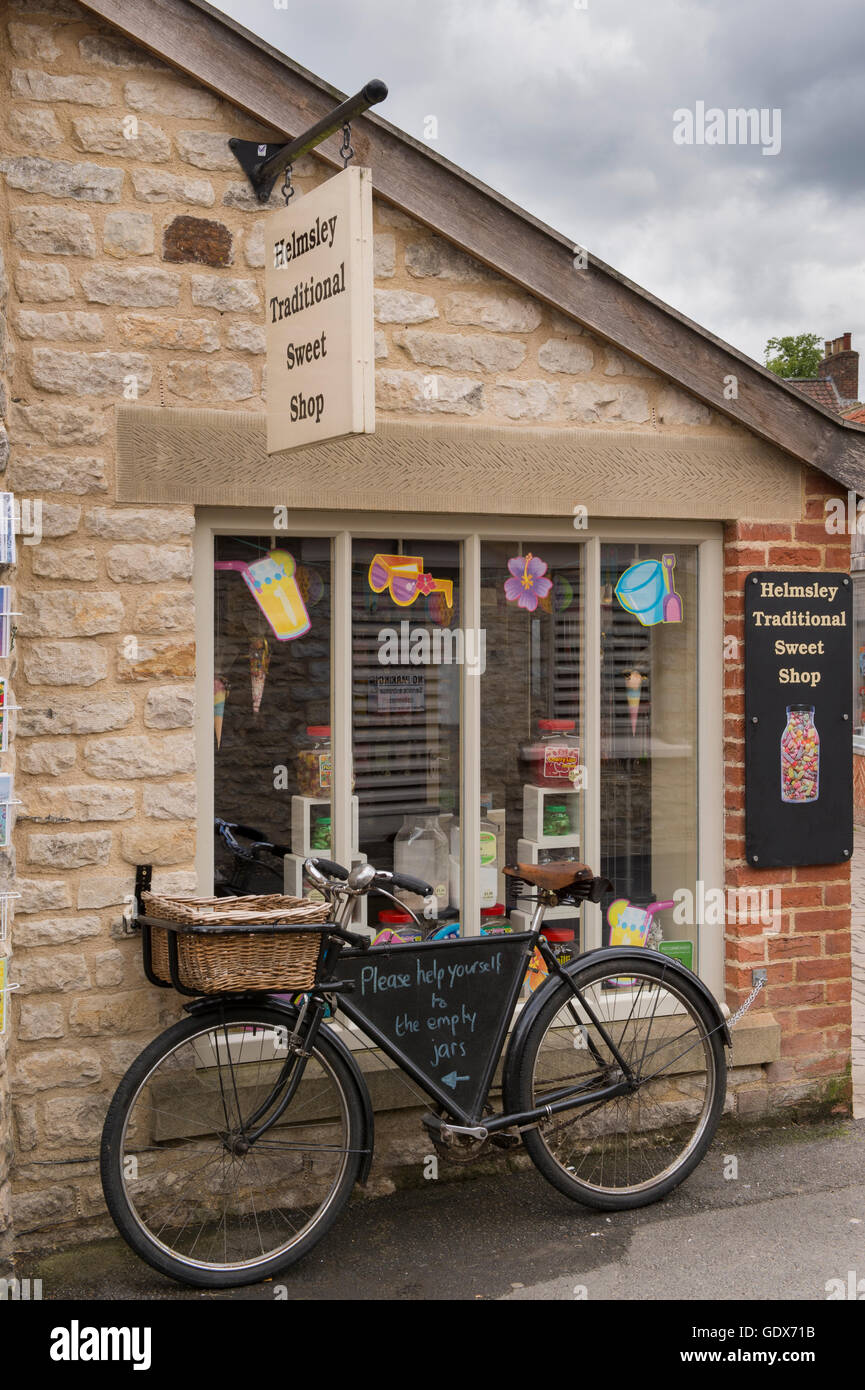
x,y
263,163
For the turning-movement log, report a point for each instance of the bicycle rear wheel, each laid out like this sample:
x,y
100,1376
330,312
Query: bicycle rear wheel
x,y
186,1189
634,1148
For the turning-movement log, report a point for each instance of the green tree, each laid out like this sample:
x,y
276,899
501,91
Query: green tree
x,y
796,355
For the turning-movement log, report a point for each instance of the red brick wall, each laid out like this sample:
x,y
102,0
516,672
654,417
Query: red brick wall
x,y
808,962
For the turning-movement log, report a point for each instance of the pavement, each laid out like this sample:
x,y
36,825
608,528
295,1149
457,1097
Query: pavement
x,y
791,1219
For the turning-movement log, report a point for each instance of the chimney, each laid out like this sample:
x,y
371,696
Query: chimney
x,y
841,364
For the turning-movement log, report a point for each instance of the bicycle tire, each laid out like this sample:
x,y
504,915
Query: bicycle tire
x,y
569,1146
200,1085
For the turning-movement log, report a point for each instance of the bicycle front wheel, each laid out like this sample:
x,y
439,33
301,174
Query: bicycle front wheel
x,y
631,1149
187,1189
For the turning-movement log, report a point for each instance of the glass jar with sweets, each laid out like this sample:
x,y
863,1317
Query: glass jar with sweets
x,y
800,756
562,941
554,756
320,836
494,920
314,762
556,818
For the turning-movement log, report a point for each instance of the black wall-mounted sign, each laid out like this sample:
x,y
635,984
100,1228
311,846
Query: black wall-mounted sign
x,y
798,718
444,1005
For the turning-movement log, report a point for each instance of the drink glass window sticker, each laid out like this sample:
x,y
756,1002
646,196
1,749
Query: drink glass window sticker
x,y
272,581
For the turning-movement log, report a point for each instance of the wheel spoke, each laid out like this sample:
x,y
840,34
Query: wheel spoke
x,y
629,1144
193,1195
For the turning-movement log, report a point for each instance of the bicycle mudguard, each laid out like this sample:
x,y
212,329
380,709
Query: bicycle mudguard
x,y
206,1004
628,957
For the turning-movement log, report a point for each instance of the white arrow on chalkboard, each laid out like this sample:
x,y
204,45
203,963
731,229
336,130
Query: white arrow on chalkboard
x,y
451,1079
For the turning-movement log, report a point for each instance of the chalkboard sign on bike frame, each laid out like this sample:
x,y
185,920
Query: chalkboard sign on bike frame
x,y
443,1007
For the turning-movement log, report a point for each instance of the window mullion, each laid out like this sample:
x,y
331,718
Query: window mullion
x,y
470,745
590,850
340,700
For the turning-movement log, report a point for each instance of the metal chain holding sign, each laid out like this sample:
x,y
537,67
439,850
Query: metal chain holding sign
x,y
346,149
734,1018
287,189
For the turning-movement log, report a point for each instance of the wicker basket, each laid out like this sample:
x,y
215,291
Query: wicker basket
x,y
214,962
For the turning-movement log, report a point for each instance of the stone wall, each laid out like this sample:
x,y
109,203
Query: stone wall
x,y
135,254
7,858
808,987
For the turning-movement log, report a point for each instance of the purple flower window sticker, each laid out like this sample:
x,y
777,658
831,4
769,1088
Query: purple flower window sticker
x,y
528,582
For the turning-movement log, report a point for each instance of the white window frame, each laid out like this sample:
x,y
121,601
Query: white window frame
x,y
470,531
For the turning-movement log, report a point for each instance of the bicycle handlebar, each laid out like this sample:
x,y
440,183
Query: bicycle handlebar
x,y
410,884
327,866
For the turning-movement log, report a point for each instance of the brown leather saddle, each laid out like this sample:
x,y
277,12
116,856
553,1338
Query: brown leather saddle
x,y
565,873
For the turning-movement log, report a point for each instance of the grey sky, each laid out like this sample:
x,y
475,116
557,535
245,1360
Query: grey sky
x,y
569,112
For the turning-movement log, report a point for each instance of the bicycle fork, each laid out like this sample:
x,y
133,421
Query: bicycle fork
x,y
300,1043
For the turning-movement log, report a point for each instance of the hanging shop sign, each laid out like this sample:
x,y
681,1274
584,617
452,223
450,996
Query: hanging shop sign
x,y
319,314
798,718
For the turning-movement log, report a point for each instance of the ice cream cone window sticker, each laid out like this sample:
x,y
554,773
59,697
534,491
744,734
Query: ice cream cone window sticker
x,y
403,577
648,591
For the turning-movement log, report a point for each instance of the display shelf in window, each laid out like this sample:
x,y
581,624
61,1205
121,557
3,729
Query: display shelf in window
x,y
310,834
297,887
7,529
529,852
563,915
546,810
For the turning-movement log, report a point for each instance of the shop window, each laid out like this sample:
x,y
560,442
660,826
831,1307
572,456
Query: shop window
x,y
575,745
648,750
271,701
407,658
532,738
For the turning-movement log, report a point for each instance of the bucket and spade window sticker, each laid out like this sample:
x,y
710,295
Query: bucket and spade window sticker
x,y
647,590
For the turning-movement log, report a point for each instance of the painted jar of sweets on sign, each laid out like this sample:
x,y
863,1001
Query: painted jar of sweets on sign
x,y
800,755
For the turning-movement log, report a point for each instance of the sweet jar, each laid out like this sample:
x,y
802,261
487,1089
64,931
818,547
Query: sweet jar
x,y
800,756
314,762
555,754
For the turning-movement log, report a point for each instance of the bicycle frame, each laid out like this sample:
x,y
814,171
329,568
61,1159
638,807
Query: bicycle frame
x,y
342,986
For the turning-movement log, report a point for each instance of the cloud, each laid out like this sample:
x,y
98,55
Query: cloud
x,y
569,112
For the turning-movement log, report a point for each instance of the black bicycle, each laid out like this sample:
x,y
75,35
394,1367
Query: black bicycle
x,y
235,1139
246,861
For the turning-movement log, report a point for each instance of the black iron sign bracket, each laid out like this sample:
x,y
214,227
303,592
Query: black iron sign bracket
x,y
263,163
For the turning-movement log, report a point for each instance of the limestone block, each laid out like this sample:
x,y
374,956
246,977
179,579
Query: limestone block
x,y
139,755
65,663
170,707
501,313
403,306
53,231
69,850
78,612
87,715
